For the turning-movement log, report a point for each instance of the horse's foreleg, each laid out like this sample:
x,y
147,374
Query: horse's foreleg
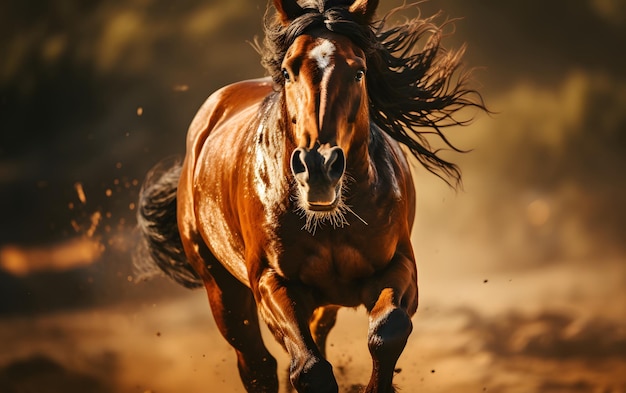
x,y
320,325
235,314
390,321
287,309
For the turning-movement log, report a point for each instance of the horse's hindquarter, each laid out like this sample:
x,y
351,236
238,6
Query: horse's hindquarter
x,y
216,138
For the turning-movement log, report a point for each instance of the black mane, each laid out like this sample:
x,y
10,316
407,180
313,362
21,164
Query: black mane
x,y
412,93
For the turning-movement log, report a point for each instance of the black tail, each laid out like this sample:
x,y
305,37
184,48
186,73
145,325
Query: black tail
x,y
160,245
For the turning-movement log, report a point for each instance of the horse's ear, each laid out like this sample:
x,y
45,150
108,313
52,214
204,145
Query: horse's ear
x,y
364,10
288,10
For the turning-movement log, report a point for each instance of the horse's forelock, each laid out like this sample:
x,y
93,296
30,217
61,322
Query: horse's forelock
x,y
333,16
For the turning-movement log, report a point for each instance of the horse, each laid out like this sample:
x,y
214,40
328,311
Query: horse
x,y
295,196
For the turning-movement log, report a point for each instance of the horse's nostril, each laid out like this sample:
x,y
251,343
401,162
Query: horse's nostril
x,y
297,161
320,167
336,164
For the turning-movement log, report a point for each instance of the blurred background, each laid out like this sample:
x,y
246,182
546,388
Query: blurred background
x,y
522,272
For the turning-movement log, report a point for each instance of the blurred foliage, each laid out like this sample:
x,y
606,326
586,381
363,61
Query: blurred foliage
x,y
98,92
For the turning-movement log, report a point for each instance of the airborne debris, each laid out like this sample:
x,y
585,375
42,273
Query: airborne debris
x,y
95,220
80,192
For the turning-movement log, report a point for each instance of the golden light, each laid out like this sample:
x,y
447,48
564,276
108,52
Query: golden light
x,y
71,254
538,212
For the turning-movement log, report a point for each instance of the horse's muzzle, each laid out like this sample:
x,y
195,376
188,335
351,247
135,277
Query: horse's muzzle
x,y
318,173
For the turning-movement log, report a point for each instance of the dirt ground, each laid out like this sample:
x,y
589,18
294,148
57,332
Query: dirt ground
x,y
554,329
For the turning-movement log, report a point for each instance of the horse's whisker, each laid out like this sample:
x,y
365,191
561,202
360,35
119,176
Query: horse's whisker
x,y
356,215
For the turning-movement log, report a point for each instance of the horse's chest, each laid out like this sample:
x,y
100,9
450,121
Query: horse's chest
x,y
343,262
337,267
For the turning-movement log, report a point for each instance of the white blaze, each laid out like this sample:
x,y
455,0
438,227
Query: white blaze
x,y
322,53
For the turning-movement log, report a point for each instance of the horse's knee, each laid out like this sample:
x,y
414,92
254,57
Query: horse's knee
x,y
312,376
389,333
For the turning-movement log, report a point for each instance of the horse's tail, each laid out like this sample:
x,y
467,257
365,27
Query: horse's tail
x,y
160,245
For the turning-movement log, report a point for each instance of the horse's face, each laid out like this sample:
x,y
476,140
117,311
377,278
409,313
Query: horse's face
x,y
326,105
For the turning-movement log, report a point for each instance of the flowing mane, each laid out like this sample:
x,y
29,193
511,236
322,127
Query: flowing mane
x,y
412,92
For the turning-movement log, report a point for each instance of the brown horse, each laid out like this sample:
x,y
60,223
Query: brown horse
x,y
295,197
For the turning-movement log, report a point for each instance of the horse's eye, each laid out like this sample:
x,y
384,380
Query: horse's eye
x,y
359,75
285,74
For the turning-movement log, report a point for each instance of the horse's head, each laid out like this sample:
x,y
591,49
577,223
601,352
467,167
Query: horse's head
x,y
326,104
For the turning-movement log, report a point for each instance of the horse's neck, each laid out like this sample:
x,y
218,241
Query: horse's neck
x,y
357,156
271,139
380,154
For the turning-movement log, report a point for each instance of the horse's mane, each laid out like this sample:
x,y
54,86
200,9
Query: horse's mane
x,y
412,92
